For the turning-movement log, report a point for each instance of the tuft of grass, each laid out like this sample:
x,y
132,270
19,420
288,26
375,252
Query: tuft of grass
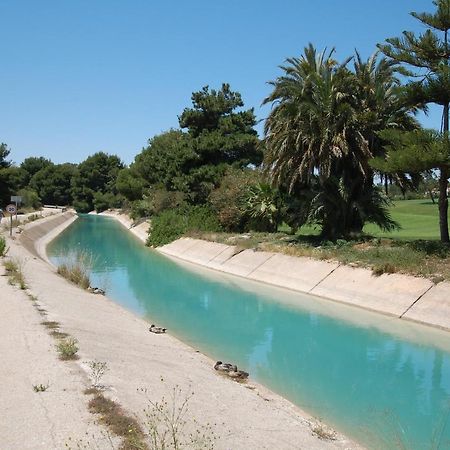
x,y
3,248
67,349
323,432
92,391
76,269
40,387
14,271
120,424
51,325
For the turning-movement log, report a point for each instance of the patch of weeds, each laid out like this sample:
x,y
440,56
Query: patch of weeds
x,y
113,416
67,349
167,424
51,325
383,268
98,369
40,387
15,273
3,248
76,269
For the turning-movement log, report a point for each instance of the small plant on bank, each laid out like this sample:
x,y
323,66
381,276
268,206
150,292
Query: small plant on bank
x,y
67,349
76,269
118,422
3,248
167,424
40,387
98,369
15,272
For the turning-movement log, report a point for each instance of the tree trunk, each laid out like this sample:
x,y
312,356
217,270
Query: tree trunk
x,y
443,185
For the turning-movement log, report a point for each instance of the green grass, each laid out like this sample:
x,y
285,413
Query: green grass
x,y
419,219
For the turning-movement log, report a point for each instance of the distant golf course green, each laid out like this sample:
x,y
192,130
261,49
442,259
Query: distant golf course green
x,y
419,219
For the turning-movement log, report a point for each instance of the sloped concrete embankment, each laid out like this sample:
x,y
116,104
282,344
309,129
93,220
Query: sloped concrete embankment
x,y
36,235
402,296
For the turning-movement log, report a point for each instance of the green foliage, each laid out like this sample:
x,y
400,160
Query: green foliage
x,y
320,137
171,224
97,174
3,247
218,135
53,183
67,349
104,201
265,207
130,184
30,198
414,151
228,199
427,58
33,165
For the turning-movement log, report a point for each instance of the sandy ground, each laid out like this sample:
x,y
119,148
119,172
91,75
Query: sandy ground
x,y
143,368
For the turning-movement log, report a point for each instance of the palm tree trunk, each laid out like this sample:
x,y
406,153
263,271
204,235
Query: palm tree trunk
x,y
443,185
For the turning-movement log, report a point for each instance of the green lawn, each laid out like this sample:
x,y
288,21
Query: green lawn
x,y
419,219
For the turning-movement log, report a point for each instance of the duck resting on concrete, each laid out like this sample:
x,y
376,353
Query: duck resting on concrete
x,y
157,330
238,374
224,367
96,290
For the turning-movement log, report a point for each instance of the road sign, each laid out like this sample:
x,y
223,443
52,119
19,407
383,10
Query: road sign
x,y
11,209
16,199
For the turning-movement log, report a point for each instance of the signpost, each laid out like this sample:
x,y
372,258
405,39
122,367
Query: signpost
x,y
11,210
17,199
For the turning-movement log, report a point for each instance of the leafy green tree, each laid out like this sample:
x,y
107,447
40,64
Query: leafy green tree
x,y
33,165
221,135
130,184
53,183
316,139
428,56
96,174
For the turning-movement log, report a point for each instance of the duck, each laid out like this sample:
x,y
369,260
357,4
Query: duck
x,y
238,374
224,367
157,330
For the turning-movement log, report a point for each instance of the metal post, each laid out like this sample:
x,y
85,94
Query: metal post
x,y
10,228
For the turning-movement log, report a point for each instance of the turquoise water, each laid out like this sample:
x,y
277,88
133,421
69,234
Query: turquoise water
x,y
383,382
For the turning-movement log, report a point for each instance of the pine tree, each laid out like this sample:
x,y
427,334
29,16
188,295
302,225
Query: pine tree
x,y
427,57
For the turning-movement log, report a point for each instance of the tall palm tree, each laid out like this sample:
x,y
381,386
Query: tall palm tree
x,y
315,136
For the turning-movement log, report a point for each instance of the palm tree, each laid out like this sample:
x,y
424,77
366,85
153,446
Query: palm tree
x,y
315,136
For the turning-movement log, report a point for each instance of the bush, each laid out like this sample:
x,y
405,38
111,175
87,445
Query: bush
x,y
156,201
171,224
30,198
228,200
67,349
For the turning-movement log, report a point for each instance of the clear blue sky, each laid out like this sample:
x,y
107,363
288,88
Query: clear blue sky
x,y
80,76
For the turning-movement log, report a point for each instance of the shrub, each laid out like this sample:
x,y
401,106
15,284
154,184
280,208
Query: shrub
x,y
228,200
156,201
67,348
30,198
174,223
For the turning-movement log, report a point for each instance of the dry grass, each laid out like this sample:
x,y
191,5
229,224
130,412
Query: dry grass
x,y
114,417
14,270
76,268
430,259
